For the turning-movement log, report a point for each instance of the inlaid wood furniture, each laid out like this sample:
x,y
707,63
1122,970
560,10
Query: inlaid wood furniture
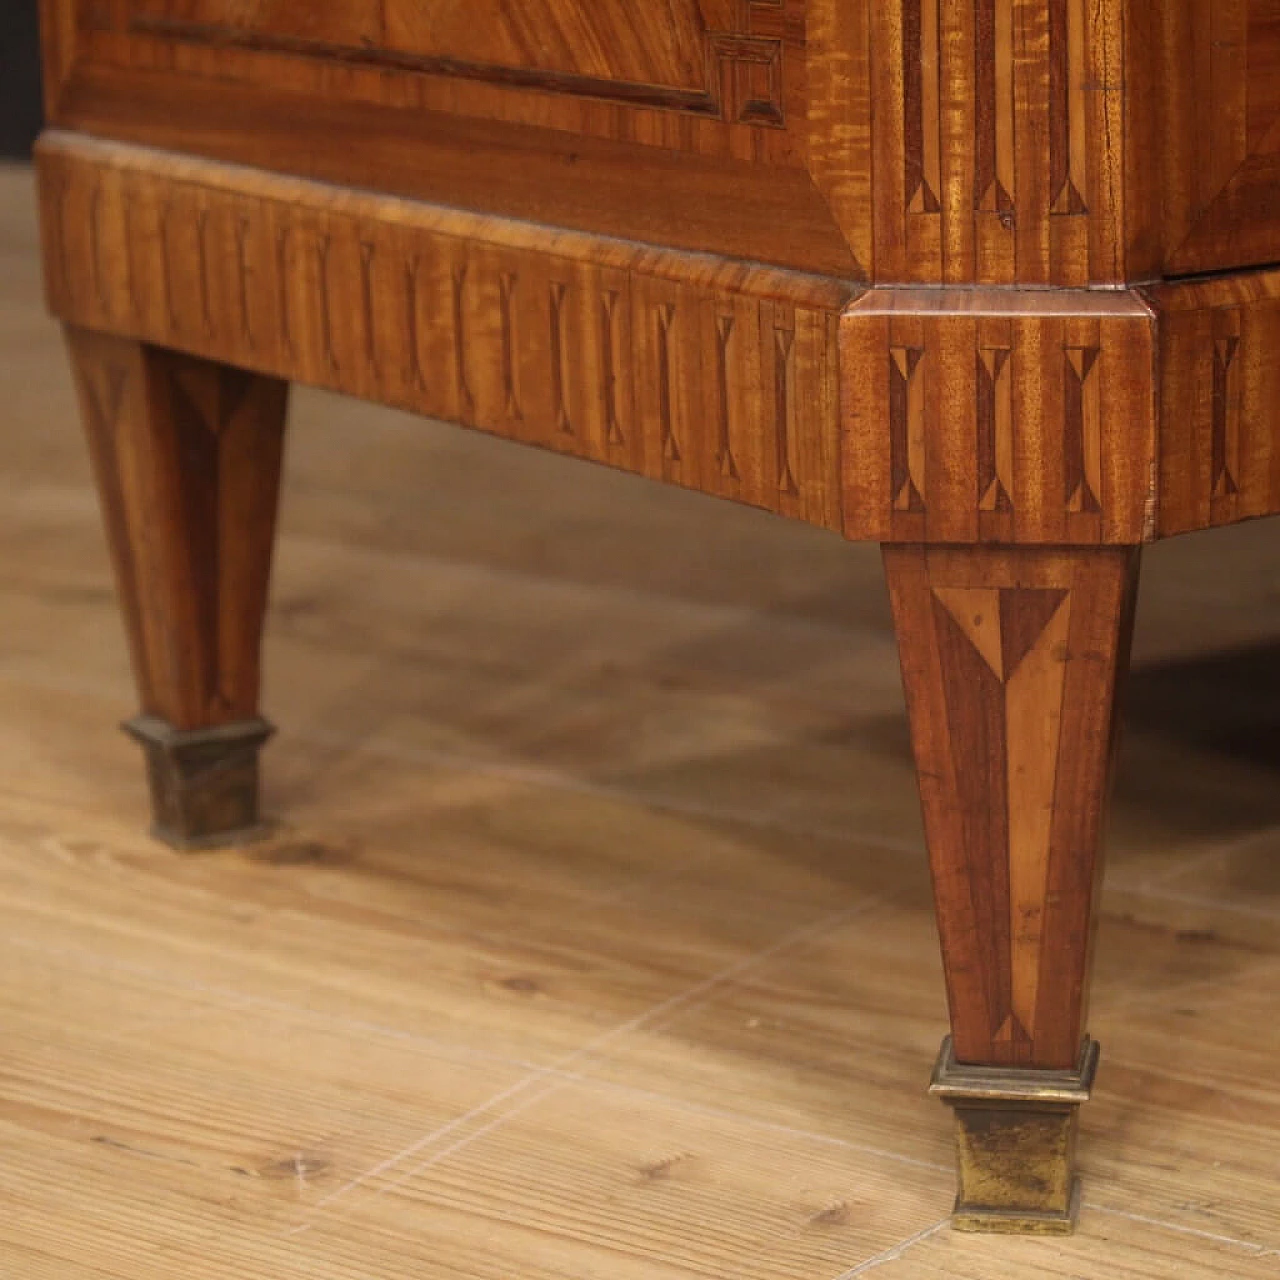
x,y
986,281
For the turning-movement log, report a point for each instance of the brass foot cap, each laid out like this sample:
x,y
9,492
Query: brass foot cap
x,y
204,782
957,1082
1012,1222
1015,1142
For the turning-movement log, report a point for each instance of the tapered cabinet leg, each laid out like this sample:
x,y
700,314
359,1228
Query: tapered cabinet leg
x,y
1011,661
187,458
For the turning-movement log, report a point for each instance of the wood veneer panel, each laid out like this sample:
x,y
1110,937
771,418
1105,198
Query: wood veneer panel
x,y
1220,395
1000,137
920,141
1011,661
187,456
699,370
517,169
1221,65
999,416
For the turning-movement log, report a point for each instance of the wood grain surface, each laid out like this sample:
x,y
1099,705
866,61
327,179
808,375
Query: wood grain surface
x,y
923,141
1221,144
602,764
999,416
1003,416
927,141
1220,432
695,370
672,131
899,271
187,456
1011,662
999,141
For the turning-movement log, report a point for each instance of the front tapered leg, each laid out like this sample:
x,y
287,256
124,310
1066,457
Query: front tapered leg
x,y
187,458
1011,661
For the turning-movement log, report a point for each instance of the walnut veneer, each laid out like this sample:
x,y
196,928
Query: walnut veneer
x,y
990,282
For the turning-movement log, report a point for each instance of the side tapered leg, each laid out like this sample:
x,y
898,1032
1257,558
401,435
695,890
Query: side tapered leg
x,y
187,457
1011,660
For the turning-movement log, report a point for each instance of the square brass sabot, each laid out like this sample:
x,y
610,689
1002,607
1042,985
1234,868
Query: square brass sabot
x,y
1015,1142
204,782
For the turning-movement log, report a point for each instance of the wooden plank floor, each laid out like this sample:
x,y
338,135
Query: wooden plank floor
x,y
596,939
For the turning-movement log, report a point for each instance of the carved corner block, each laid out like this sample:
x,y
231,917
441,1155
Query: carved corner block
x,y
999,416
1015,1142
204,782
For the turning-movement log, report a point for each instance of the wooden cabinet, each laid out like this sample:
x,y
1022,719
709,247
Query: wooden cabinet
x,y
991,282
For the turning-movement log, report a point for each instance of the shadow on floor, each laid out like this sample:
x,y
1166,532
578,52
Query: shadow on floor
x,y
1223,704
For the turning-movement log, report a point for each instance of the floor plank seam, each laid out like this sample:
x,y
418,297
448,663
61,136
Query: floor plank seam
x,y
894,1253
1251,1247
450,1051
679,1000
755,1122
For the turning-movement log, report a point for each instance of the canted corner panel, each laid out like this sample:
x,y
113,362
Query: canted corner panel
x,y
1220,400
673,366
977,416
1222,134
999,136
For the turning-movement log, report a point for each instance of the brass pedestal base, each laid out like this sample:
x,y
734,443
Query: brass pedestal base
x,y
1015,1142
204,782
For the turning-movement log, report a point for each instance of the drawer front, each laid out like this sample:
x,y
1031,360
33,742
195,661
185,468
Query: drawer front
x,y
713,60
719,63
1063,142
687,123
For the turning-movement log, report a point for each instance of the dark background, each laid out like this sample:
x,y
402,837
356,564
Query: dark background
x,y
19,77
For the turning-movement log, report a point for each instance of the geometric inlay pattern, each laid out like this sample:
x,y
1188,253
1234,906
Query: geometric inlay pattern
x,y
1004,650
1226,404
995,429
1082,430
922,120
711,380
1068,156
906,428
1010,658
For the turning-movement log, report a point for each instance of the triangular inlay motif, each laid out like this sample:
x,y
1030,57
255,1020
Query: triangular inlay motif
x,y
976,611
1024,615
1012,1031
107,414
190,399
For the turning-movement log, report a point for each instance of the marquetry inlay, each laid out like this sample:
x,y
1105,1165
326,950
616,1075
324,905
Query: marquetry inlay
x,y
709,385
973,421
1010,661
722,61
